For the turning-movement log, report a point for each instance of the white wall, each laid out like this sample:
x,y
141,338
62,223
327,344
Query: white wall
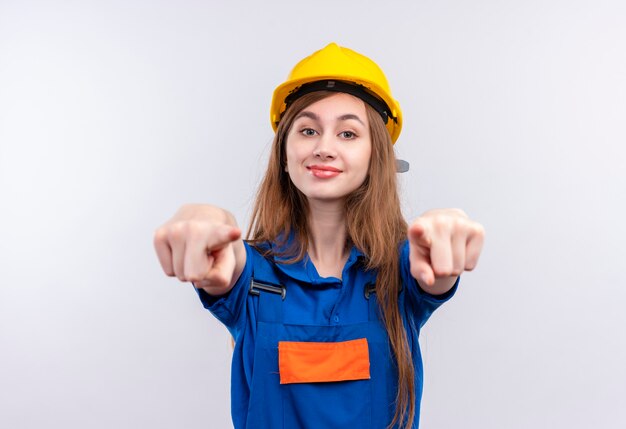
x,y
114,113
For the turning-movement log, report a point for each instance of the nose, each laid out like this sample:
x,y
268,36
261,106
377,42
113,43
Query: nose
x,y
325,148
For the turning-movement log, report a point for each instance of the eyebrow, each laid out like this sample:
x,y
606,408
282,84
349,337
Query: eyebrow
x,y
307,114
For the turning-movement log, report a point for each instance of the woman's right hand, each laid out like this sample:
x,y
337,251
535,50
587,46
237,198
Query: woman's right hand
x,y
201,244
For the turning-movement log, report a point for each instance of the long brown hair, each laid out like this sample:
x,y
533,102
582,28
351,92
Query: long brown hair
x,y
375,225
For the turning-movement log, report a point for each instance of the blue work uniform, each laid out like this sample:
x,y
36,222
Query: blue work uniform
x,y
274,303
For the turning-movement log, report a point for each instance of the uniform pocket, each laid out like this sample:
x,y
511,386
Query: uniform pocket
x,y
325,384
316,362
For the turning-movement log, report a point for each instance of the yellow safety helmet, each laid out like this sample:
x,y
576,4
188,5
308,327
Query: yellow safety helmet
x,y
336,68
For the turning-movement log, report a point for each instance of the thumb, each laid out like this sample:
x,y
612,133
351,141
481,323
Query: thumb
x,y
223,267
221,236
419,235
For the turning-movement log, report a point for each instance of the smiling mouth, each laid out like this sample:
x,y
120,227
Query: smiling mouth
x,y
323,171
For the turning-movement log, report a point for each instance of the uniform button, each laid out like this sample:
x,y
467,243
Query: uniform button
x,y
336,319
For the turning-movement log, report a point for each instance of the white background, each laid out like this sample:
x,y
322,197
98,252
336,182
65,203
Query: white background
x,y
114,113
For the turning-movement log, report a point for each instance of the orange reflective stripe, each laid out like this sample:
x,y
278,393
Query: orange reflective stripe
x,y
310,362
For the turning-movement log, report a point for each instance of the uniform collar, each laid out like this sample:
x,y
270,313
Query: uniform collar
x,y
305,271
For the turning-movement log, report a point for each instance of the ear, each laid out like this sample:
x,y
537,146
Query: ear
x,y
286,169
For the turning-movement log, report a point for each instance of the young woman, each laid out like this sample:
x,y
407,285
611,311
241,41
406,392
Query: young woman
x,y
326,297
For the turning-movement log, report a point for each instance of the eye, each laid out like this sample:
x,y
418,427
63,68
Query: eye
x,y
309,132
349,135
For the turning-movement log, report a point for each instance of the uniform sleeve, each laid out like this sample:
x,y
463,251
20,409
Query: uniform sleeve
x,y
420,303
230,308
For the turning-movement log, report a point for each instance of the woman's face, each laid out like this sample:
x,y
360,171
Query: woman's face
x,y
329,148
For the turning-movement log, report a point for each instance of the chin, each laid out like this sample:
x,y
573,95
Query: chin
x,y
326,198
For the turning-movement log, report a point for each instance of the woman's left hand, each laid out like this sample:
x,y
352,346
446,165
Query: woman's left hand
x,y
443,243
